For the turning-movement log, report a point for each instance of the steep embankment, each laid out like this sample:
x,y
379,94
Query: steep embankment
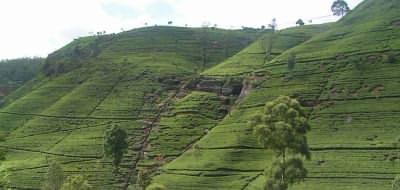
x,y
347,77
95,83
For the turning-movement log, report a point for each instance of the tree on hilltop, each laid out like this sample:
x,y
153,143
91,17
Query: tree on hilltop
x,y
340,8
300,22
282,128
273,25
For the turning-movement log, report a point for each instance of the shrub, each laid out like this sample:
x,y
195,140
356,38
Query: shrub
x,y
55,177
156,186
76,182
291,61
396,183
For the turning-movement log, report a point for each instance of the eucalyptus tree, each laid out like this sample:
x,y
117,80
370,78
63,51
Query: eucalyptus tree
x,y
340,8
282,128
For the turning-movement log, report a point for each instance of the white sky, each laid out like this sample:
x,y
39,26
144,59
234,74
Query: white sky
x,y
38,27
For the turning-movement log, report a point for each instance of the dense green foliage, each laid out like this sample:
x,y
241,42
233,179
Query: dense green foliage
x,y
19,70
15,72
115,145
282,128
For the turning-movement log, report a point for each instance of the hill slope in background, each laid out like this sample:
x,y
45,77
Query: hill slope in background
x,y
347,77
15,72
185,97
98,82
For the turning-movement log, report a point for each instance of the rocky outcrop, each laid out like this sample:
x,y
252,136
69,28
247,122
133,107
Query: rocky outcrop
x,y
223,87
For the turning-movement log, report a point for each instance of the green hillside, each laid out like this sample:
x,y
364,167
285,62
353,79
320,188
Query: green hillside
x,y
185,96
95,83
15,72
348,79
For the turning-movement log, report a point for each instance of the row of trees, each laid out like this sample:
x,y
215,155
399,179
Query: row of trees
x,y
19,70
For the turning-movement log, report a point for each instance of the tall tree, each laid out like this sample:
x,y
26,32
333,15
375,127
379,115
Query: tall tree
x,y
115,145
340,8
291,61
55,177
282,128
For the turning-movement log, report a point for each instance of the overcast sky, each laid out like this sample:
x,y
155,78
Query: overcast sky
x,y
38,27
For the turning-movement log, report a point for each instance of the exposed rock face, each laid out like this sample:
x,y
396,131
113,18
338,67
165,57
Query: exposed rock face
x,y
223,87
209,85
396,23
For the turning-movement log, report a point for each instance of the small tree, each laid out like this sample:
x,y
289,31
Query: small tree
x,y
76,182
115,145
156,186
143,179
55,177
282,128
340,8
291,61
300,22
5,182
273,25
396,183
3,153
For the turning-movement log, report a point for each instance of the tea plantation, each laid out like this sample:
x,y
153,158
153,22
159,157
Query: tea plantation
x,y
185,96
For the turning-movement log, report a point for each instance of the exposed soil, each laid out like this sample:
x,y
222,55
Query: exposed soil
x,y
396,23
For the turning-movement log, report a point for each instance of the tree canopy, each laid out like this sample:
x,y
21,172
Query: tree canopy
x,y
300,22
340,8
115,144
19,70
282,128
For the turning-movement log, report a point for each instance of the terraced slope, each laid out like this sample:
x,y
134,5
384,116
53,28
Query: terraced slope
x,y
347,77
95,83
264,50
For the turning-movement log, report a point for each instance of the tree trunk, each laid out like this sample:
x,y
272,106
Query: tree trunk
x,y
283,165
